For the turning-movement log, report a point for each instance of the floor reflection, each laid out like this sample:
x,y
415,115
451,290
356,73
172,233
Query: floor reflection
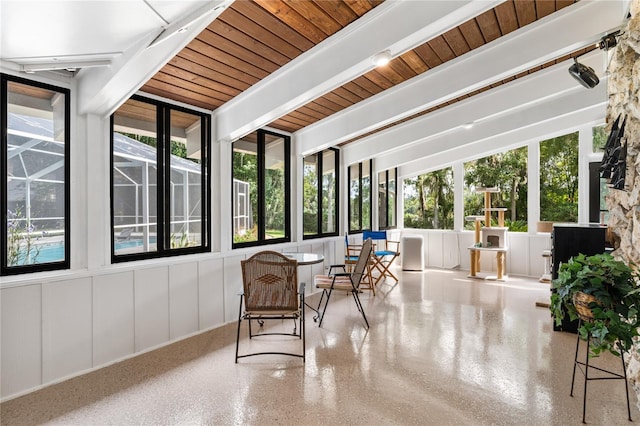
x,y
442,349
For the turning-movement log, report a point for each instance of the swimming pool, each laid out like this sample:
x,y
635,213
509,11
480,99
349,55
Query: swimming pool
x,y
54,252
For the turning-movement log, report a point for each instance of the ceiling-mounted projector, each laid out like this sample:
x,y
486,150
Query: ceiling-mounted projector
x,y
584,74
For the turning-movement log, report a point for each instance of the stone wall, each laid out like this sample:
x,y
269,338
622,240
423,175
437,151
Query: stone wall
x,y
624,205
624,90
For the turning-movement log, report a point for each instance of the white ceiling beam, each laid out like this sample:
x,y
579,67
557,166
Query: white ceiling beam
x,y
500,142
394,25
102,90
545,85
541,41
506,116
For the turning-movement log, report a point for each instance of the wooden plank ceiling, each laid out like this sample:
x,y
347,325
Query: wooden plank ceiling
x,y
252,39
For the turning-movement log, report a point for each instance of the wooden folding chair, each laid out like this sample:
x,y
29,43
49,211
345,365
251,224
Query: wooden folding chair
x,y
383,256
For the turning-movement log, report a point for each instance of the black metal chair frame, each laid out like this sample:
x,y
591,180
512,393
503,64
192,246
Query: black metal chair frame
x,y
354,279
298,316
610,375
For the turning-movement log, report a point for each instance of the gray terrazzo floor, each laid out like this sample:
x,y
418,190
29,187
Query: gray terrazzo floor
x,y
442,350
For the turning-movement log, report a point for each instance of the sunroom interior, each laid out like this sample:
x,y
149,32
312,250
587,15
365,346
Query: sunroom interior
x,y
467,79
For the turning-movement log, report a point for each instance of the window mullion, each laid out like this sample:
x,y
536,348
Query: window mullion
x,y
261,182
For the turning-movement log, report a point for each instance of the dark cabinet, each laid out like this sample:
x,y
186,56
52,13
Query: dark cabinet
x,y
569,240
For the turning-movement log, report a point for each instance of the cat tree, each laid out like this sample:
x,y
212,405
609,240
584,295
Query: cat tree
x,y
489,238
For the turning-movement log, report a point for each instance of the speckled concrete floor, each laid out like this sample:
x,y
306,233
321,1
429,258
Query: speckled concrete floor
x,y
442,350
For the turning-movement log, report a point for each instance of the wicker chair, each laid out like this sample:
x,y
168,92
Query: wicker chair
x,y
270,283
345,282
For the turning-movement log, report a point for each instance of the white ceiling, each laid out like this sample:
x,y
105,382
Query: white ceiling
x,y
50,31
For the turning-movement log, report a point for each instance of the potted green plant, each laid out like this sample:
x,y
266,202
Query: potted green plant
x,y
603,292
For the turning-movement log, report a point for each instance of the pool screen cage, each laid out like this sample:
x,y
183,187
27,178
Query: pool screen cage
x,y
135,202
35,188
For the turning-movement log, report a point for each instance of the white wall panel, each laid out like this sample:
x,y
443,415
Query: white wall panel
x,y
232,287
518,257
151,287
466,240
183,299
113,317
434,248
66,328
537,244
211,293
21,343
320,248
450,250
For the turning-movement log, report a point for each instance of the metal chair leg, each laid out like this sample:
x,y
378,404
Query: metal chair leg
x,y
238,333
586,380
325,306
575,361
360,308
626,385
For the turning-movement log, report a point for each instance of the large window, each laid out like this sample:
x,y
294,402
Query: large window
x,y
559,179
506,171
261,189
320,200
160,191
387,198
35,176
360,196
428,200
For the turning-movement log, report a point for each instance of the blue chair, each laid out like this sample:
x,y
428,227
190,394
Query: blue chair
x,y
351,254
383,255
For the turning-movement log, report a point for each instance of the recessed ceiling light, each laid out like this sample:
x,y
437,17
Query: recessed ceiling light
x,y
382,58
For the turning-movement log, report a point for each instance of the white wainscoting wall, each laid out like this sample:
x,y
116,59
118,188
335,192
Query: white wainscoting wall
x,y
57,326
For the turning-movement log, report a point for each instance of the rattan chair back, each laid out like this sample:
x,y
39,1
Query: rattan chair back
x,y
270,282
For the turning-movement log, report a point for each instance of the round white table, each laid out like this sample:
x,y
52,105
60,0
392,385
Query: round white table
x,y
305,258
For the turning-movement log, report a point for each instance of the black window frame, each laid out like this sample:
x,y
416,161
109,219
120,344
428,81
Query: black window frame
x,y
5,269
163,164
371,189
320,234
261,148
596,213
385,224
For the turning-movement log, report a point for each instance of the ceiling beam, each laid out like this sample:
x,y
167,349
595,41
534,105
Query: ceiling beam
x,y
395,25
103,90
503,117
549,38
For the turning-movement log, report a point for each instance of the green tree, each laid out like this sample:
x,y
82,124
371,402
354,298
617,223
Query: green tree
x,y
310,198
429,200
245,169
506,171
599,138
559,181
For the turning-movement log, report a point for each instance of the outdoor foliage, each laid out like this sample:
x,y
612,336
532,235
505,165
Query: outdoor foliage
x,y
559,179
360,201
428,201
245,168
506,171
599,138
21,240
310,198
